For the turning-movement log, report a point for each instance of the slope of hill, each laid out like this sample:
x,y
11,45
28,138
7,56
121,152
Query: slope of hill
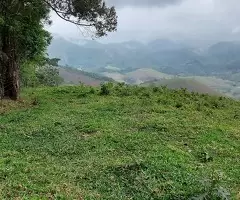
x,y
137,76
190,84
75,76
115,75
146,74
226,87
120,143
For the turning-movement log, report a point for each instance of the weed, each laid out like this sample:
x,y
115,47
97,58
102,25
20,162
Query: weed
x,y
212,189
205,157
35,101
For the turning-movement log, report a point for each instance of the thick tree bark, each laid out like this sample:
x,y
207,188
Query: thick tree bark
x,y
3,59
10,67
9,62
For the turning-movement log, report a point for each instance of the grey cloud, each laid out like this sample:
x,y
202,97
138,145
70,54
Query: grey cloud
x,y
142,3
189,20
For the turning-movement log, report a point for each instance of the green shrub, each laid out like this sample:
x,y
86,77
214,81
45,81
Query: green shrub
x,y
82,94
92,90
125,92
156,89
105,89
146,94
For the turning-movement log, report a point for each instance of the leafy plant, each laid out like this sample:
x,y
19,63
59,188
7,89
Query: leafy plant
x,y
213,189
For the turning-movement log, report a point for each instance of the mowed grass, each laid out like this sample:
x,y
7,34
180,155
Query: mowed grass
x,y
120,142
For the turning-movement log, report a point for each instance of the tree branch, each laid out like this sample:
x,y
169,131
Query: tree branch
x,y
68,20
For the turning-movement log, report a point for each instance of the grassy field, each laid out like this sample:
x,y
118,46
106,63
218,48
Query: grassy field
x,y
125,142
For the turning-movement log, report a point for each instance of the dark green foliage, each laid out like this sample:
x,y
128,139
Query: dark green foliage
x,y
236,114
179,105
146,94
87,13
53,61
123,90
92,90
106,88
157,89
23,37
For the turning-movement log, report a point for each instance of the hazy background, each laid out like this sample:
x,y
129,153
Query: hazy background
x,y
194,21
158,42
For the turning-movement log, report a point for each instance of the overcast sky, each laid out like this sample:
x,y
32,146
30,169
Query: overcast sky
x,y
190,20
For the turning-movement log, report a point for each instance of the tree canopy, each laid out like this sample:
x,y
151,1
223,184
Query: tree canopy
x,y
88,13
23,37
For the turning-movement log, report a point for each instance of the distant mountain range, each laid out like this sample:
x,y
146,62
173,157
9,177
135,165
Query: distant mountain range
x,y
160,61
163,55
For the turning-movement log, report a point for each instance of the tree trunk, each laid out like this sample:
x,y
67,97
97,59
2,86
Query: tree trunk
x,y
10,67
3,59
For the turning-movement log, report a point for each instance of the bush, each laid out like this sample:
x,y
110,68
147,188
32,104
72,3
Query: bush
x,y
82,94
156,89
146,94
92,90
105,89
125,91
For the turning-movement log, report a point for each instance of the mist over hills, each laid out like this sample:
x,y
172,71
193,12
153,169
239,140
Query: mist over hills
x,y
217,66
163,55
